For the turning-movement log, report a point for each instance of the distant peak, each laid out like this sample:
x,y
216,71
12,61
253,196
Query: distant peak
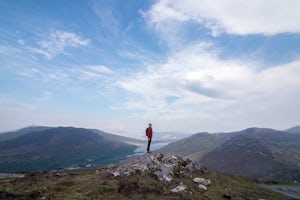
x,y
253,130
294,129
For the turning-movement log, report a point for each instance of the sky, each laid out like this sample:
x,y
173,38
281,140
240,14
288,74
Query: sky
x,y
184,66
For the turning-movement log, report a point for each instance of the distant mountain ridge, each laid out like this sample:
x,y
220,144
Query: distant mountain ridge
x,y
295,129
14,134
197,145
260,153
46,148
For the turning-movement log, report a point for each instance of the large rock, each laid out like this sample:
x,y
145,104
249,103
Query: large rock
x,y
202,187
202,181
163,167
179,188
164,172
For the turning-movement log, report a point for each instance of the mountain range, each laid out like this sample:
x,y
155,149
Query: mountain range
x,y
258,153
47,148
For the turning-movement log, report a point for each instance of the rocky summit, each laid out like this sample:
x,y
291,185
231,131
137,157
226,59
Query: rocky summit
x,y
164,169
146,177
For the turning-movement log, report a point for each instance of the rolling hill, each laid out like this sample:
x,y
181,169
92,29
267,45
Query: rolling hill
x,y
254,152
47,148
258,153
295,129
14,134
197,145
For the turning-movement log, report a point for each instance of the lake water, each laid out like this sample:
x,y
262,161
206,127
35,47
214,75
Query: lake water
x,y
288,190
154,146
11,175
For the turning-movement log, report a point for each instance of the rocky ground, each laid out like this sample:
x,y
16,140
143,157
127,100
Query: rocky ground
x,y
150,176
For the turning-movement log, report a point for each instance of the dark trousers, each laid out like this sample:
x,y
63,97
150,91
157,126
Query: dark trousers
x,y
149,142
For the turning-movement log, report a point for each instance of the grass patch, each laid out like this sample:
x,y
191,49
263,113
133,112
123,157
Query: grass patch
x,y
89,185
151,197
66,183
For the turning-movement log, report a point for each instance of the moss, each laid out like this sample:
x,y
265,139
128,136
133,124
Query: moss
x,y
35,194
58,189
8,195
151,197
66,183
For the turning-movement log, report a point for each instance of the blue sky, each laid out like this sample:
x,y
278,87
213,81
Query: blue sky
x,y
185,66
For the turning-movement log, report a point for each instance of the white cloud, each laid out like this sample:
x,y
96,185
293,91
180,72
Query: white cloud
x,y
100,69
210,93
87,75
237,17
191,70
93,72
213,94
47,74
56,42
30,72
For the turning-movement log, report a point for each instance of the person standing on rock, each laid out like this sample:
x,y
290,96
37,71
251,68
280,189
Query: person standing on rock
x,y
149,134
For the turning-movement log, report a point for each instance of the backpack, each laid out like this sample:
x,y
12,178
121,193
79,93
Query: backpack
x,y
147,132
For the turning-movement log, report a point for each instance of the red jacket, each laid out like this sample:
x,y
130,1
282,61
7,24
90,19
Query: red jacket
x,y
149,132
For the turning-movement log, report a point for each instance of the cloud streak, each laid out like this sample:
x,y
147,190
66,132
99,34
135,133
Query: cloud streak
x,y
100,69
56,43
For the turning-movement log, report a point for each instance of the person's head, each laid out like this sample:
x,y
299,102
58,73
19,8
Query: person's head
x,y
150,125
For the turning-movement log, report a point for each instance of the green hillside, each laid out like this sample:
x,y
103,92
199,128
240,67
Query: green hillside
x,y
200,143
60,148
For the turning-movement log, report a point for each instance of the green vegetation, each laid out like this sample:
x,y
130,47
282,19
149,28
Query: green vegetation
x,y
100,184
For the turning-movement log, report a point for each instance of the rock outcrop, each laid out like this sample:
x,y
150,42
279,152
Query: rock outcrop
x,y
164,168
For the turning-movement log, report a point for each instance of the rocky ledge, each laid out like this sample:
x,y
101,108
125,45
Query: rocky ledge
x,y
164,168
